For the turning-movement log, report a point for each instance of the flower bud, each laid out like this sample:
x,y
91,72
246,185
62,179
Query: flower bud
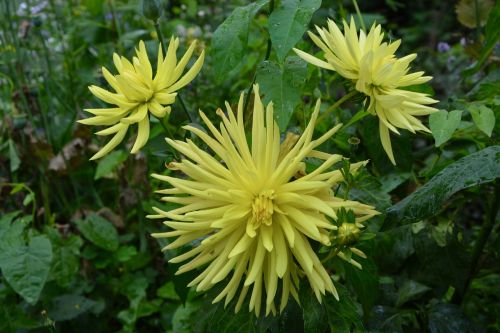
x,y
152,9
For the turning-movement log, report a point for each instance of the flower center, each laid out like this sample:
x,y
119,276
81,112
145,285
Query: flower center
x,y
262,211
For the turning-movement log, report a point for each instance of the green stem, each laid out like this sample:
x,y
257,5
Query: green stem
x,y
360,17
164,49
478,23
481,242
336,105
171,136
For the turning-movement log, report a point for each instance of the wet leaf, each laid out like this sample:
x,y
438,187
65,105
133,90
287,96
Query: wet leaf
x,y
474,169
282,86
289,22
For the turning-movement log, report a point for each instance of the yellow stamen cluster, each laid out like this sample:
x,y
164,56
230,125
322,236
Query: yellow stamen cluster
x,y
376,72
137,93
249,219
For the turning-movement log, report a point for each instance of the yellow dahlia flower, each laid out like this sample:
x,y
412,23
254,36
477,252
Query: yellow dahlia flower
x,y
377,73
138,92
249,218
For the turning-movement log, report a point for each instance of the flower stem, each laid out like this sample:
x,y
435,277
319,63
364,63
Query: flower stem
x,y
164,49
484,234
170,135
360,17
336,105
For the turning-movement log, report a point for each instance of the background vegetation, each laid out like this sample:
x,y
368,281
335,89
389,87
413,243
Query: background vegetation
x,y
75,250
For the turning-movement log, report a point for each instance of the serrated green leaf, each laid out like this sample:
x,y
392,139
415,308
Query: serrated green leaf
x,y
26,266
109,163
282,86
289,22
474,169
229,41
483,117
99,231
443,124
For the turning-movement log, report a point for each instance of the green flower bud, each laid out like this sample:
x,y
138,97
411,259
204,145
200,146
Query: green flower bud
x,y
152,9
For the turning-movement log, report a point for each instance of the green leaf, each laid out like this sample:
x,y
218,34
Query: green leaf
x,y
99,231
125,253
483,117
474,169
13,156
449,318
168,291
341,316
410,290
443,124
289,22
229,41
66,261
67,307
364,281
282,86
26,266
109,163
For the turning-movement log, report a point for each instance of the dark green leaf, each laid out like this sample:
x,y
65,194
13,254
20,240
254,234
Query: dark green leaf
x,y
474,169
66,261
26,267
364,281
289,22
282,85
443,124
99,231
229,41
449,318
410,290
67,307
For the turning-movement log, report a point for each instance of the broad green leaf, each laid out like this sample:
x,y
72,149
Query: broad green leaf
x,y
289,22
483,117
13,156
168,291
26,266
474,169
125,253
109,163
229,41
282,86
67,307
99,231
443,124
410,290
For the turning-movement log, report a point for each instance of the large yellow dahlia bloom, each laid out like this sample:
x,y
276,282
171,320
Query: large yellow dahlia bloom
x,y
377,73
249,217
138,92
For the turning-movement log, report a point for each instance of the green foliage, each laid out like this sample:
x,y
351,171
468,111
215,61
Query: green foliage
x,y
282,85
289,22
75,248
443,124
477,168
